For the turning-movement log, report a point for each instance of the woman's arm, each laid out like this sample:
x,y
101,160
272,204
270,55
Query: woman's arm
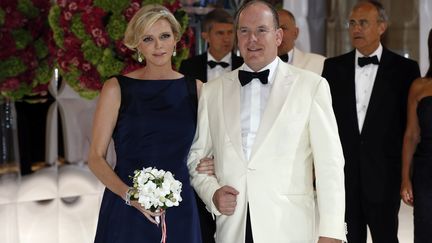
x,y
104,122
411,139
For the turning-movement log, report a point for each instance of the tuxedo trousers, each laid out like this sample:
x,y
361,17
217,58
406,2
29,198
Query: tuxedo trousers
x,y
248,236
381,217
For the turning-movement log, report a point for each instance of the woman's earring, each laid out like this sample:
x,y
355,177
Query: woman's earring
x,y
174,52
139,57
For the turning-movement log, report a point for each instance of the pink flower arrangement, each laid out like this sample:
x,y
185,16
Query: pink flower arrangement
x,y
88,38
25,67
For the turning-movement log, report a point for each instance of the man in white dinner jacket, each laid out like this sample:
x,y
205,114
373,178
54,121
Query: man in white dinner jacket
x,y
265,136
291,54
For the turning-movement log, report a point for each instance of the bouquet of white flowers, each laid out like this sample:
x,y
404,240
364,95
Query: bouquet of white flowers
x,y
155,190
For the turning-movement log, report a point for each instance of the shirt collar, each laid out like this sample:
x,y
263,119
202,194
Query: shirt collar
x,y
271,66
377,52
226,58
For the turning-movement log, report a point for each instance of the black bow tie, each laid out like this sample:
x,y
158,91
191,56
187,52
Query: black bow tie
x,y
284,57
245,77
362,61
213,64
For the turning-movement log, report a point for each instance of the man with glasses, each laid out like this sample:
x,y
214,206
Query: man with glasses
x,y
369,87
267,123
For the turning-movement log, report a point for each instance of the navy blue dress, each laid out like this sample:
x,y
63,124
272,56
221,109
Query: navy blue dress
x,y
422,174
155,127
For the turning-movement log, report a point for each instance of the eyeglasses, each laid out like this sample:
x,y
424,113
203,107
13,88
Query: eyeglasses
x,y
258,32
362,24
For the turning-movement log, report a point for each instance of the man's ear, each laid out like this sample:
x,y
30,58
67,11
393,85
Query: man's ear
x,y
296,32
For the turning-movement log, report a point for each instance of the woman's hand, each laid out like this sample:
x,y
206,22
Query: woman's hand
x,y
406,192
206,166
147,213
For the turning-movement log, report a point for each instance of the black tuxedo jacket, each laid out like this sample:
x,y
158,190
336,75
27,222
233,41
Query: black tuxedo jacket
x,y
196,67
372,157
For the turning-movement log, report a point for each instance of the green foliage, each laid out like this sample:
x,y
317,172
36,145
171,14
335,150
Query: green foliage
x,y
91,52
43,74
2,17
53,18
111,66
145,2
22,38
115,6
27,8
11,67
183,19
78,28
181,55
17,94
116,26
41,48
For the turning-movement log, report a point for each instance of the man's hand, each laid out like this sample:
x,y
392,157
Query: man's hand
x,y
206,166
225,200
328,240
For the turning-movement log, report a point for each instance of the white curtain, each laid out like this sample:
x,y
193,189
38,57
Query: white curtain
x,y
300,11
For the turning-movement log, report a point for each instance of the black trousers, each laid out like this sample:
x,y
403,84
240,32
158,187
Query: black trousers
x,y
381,217
248,237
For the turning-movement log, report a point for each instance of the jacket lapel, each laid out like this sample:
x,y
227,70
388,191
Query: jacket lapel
x,y
279,94
231,110
202,67
380,88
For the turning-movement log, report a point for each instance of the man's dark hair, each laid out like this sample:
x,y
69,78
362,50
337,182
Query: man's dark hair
x,y
217,15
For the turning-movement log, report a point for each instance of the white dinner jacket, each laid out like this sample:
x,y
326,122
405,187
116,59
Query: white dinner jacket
x,y
309,61
298,128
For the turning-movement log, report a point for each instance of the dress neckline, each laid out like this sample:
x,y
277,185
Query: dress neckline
x,y
175,79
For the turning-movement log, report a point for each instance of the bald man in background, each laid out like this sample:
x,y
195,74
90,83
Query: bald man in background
x,y
309,61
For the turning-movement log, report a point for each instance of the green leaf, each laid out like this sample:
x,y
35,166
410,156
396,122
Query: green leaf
x,y
53,20
27,8
116,26
11,67
114,6
2,17
41,48
22,38
78,28
92,53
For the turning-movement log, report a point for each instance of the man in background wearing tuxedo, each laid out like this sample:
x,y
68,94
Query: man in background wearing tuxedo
x,y
369,87
287,50
218,32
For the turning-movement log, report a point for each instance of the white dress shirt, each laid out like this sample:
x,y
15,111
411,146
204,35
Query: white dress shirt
x,y
218,70
364,82
253,100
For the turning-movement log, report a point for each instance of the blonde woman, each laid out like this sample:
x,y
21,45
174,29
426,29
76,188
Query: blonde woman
x,y
151,115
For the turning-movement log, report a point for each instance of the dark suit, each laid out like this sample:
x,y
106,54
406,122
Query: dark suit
x,y
372,157
196,67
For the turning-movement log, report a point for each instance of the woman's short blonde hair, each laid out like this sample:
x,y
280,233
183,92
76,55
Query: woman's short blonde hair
x,y
144,19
